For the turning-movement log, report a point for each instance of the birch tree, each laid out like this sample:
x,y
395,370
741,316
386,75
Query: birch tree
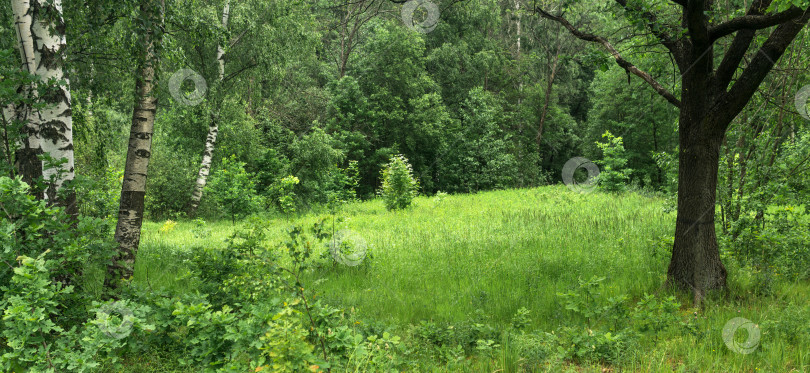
x,y
133,189
213,127
48,127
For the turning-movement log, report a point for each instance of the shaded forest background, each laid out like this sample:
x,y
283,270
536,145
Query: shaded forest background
x,y
310,87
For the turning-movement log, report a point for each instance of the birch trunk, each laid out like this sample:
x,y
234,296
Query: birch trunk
x,y
213,129
40,32
133,189
26,158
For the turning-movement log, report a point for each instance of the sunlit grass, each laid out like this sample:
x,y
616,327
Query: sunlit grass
x,y
502,250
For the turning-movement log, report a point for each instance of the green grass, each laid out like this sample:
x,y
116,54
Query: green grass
x,y
502,250
495,251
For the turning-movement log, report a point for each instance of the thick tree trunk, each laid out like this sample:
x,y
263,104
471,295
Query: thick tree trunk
x,y
133,190
213,129
55,120
41,39
26,156
695,264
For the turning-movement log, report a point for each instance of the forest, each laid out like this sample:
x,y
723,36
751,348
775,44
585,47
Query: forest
x,y
404,186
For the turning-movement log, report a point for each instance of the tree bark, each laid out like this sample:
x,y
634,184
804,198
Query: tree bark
x,y
133,190
56,122
40,32
213,129
695,262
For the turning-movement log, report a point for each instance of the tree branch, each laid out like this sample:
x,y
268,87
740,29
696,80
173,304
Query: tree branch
x,y
773,48
627,66
236,73
655,28
736,51
754,22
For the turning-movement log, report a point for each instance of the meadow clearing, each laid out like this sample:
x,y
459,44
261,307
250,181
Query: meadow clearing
x,y
462,266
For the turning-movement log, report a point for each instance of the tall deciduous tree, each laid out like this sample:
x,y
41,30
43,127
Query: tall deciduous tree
x,y
711,97
213,127
352,15
49,127
133,189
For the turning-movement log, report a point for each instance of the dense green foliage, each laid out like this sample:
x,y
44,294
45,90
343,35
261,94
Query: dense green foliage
x,y
382,199
613,176
233,189
399,187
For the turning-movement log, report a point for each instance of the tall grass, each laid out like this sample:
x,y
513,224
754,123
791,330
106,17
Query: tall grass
x,y
494,251
445,259
497,251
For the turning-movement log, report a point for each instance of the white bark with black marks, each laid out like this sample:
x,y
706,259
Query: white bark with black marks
x,y
133,189
40,30
27,163
213,128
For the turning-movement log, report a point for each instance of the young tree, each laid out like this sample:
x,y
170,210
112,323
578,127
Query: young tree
x,y
133,189
710,99
49,128
399,187
233,189
614,173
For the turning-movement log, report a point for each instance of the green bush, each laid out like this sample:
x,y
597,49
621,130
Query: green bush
x,y
777,243
282,194
30,227
613,328
98,196
399,187
344,184
233,189
313,160
614,174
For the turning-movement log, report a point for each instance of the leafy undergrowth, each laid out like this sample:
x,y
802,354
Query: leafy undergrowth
x,y
511,281
521,280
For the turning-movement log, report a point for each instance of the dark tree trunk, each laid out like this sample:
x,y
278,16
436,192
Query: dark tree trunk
x,y
695,263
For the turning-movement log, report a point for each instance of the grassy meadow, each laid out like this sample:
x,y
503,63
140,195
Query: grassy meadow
x,y
456,258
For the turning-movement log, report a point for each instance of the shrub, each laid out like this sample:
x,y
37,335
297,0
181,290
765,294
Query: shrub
x,y
200,229
614,175
313,160
233,190
283,194
98,196
30,227
399,187
775,243
344,184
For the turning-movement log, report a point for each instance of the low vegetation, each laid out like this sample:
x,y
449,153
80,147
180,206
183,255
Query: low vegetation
x,y
538,279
